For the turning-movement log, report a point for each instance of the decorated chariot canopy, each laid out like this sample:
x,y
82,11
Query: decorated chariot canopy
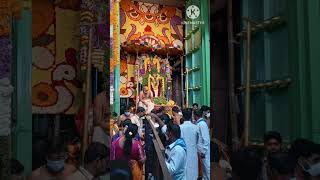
x,y
150,28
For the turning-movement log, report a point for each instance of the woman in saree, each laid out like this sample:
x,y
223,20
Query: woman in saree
x,y
127,148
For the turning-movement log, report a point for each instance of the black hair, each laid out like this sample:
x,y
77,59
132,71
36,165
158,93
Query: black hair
x,y
56,147
303,148
174,129
16,167
161,109
283,163
120,170
114,114
175,109
272,135
187,114
125,123
96,151
204,108
246,164
140,109
195,104
127,108
130,133
197,113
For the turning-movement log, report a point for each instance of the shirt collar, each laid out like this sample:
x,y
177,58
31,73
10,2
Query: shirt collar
x,y
199,120
172,145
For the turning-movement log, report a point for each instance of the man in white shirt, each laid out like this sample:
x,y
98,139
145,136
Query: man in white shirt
x,y
176,153
204,144
190,133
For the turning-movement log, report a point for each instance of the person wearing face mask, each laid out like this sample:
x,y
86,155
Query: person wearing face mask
x,y
122,127
206,114
203,144
176,153
191,135
308,155
126,114
55,167
129,115
96,163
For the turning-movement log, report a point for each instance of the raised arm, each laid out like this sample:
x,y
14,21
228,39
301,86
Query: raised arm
x,y
161,123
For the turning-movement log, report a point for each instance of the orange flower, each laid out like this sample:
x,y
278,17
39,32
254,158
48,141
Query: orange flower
x,y
123,66
44,95
123,91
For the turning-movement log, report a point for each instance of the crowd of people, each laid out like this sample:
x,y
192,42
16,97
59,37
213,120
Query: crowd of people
x,y
96,164
125,150
300,161
184,132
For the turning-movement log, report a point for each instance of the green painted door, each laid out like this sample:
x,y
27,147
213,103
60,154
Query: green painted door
x,y
269,61
290,50
197,59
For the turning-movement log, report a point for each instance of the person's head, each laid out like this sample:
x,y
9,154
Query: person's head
x,y
195,106
120,170
96,159
132,109
177,118
272,141
130,133
161,111
124,124
308,155
16,170
177,115
145,89
187,114
56,156
282,165
205,111
197,114
141,111
173,132
114,115
246,164
127,111
175,110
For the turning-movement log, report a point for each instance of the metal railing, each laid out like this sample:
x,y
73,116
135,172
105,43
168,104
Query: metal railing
x,y
160,171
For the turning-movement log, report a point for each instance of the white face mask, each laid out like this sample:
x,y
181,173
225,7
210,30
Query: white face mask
x,y
208,115
314,170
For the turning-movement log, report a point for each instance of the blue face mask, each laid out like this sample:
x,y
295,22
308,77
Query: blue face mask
x,y
314,170
127,114
55,166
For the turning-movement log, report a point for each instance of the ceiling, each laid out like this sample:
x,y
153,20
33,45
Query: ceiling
x,y
175,3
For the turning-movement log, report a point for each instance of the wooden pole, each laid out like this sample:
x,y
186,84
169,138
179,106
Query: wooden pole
x,y
233,115
87,98
247,85
138,76
187,87
182,82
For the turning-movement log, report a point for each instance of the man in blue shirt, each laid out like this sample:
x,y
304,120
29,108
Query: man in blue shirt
x,y
176,153
203,144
